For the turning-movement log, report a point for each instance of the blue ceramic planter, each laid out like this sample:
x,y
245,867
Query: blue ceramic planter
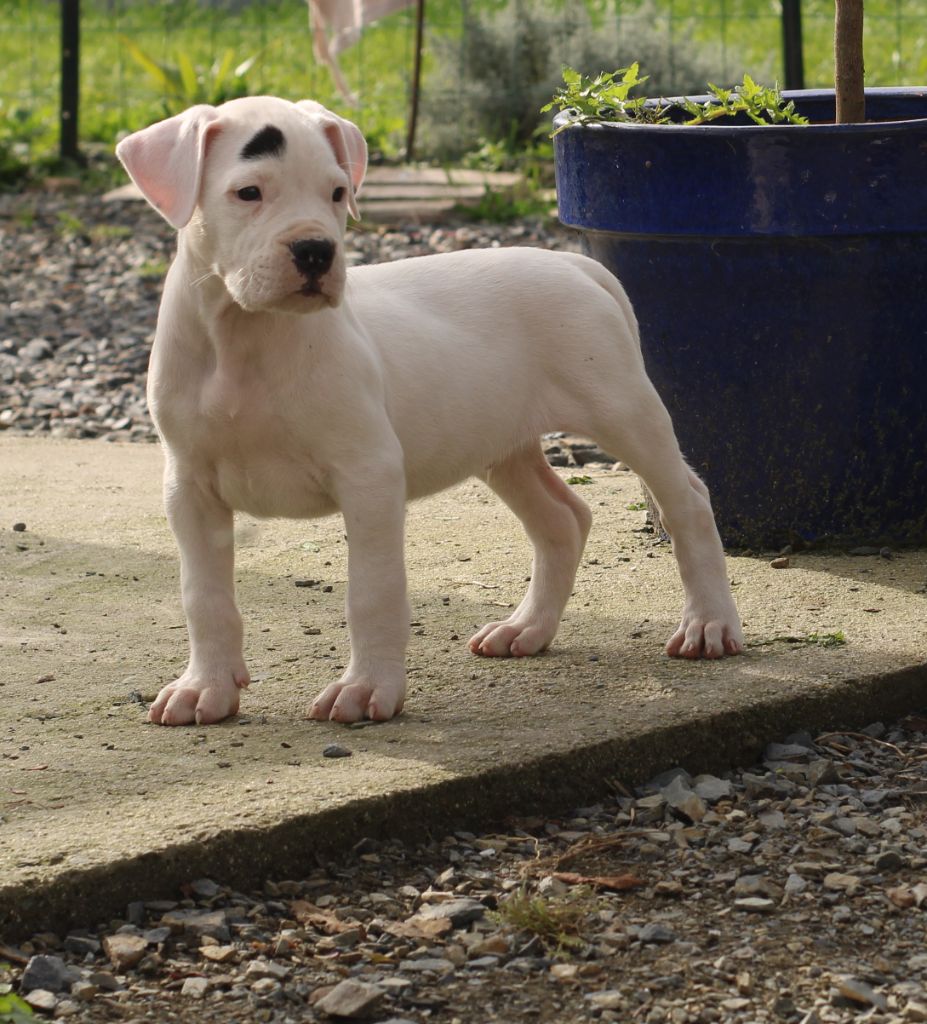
x,y
779,274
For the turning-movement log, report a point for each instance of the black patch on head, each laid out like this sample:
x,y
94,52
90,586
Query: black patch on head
x,y
269,141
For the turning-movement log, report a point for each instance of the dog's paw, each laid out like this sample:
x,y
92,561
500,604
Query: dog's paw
x,y
516,637
193,699
706,636
355,697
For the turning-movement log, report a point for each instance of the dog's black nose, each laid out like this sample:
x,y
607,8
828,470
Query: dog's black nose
x,y
313,256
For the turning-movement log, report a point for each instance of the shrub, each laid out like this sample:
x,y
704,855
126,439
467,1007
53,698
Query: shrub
x,y
492,80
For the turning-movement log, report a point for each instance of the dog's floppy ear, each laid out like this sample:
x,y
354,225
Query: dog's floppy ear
x,y
166,161
348,143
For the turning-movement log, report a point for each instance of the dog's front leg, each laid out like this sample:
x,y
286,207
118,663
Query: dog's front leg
x,y
374,684
208,690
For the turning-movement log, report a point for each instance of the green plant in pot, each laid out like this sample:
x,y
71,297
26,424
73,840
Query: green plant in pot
x,y
775,254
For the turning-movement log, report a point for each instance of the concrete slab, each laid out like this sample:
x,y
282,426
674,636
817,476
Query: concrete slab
x,y
98,808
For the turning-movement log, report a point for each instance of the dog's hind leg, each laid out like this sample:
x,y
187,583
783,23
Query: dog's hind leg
x,y
557,522
642,436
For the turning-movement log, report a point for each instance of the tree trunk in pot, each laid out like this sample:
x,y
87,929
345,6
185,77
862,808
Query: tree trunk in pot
x,y
848,62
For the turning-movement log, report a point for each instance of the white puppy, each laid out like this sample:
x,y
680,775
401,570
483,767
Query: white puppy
x,y
284,386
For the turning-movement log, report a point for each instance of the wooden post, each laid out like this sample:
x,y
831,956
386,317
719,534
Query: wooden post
x,y
792,45
416,78
70,80
848,62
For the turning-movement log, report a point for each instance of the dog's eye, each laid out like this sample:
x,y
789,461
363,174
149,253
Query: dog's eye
x,y
338,194
249,194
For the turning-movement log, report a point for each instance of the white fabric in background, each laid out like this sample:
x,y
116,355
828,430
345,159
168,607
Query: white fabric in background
x,y
337,24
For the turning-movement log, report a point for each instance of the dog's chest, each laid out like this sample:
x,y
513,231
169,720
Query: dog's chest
x,y
270,484
255,444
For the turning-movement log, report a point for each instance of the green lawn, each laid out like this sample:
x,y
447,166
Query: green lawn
x,y
116,95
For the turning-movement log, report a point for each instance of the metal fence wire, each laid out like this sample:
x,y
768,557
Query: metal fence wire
x,y
487,65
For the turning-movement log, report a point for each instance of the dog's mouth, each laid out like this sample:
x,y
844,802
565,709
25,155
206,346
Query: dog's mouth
x,y
311,289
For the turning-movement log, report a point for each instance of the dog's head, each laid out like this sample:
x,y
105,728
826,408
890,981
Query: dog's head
x,y
265,187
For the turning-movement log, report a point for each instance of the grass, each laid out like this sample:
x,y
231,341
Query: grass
x,y
828,641
557,923
117,95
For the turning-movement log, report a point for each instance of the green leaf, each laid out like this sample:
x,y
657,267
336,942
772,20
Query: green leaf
x,y
607,97
14,1010
188,78
161,75
221,68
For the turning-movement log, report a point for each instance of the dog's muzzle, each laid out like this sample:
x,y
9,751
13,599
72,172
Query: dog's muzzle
x,y
313,258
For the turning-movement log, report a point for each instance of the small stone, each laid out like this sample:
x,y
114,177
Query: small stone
x,y
496,944
265,986
859,992
822,773
42,1000
795,884
767,785
780,563
837,881
195,988
712,789
564,972
550,886
755,905
656,933
459,912
434,965
889,860
219,954
36,349
105,981
350,998
680,797
125,951
47,972
19,527
83,991
205,888
266,969
194,924
915,1011
81,945
771,820
483,963
336,750
738,845
609,999
756,885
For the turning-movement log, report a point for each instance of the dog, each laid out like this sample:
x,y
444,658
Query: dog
x,y
283,384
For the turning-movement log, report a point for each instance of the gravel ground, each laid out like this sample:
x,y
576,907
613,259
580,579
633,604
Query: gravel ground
x,y
795,892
